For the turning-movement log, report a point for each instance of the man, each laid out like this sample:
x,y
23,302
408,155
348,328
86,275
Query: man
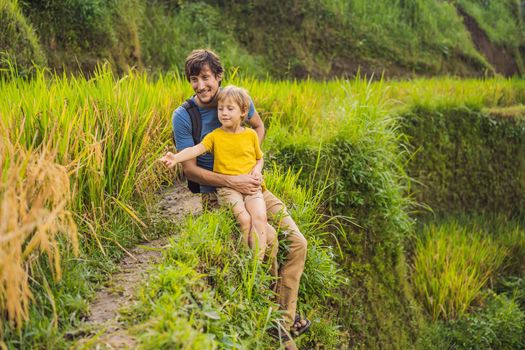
x,y
204,71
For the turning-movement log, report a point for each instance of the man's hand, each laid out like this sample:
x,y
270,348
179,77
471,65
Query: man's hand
x,y
245,184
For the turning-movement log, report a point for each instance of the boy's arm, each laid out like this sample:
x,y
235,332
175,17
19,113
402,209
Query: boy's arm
x,y
257,169
170,159
246,184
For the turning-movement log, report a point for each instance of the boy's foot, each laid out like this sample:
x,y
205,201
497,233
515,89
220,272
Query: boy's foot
x,y
299,326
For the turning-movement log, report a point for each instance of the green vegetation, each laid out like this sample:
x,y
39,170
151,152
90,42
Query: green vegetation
x,y
169,33
452,265
498,325
474,260
340,152
211,293
468,160
18,44
313,38
502,21
79,35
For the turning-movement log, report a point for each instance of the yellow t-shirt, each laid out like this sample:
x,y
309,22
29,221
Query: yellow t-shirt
x,y
233,154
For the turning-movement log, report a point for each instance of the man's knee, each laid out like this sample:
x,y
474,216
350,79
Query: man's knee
x,y
298,245
271,235
302,243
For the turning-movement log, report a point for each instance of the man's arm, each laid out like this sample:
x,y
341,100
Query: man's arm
x,y
246,184
257,125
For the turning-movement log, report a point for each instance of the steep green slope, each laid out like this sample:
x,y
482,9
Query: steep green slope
x,y
286,39
18,42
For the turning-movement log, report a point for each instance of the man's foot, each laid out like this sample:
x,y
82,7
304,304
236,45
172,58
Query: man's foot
x,y
299,326
290,345
283,337
278,333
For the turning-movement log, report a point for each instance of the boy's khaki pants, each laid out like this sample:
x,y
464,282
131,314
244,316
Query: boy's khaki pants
x,y
290,271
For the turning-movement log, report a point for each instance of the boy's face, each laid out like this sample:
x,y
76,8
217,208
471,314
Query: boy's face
x,y
205,85
230,114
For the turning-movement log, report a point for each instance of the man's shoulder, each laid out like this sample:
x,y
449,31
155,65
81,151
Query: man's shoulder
x,y
180,114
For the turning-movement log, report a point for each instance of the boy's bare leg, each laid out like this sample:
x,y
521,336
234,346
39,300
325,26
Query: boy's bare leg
x,y
272,246
245,222
257,210
231,198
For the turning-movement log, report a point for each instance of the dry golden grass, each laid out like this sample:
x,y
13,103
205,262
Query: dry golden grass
x,y
34,194
516,111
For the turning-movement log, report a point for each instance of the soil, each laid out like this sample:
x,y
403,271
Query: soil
x,y
105,328
498,56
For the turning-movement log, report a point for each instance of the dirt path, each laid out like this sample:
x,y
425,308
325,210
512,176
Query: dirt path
x,y
104,328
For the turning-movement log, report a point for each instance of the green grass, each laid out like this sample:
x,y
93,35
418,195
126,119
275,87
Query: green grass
x,y
495,320
19,44
210,291
452,265
108,132
324,39
498,20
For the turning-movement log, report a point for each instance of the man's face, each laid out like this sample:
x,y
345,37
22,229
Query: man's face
x,y
205,85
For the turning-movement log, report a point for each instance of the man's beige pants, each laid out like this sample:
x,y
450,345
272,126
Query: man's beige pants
x,y
289,273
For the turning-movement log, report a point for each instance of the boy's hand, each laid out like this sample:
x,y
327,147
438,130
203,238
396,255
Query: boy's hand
x,y
257,173
169,160
245,184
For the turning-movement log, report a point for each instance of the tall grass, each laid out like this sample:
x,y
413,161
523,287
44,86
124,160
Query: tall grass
x,y
76,153
92,144
213,293
452,266
34,198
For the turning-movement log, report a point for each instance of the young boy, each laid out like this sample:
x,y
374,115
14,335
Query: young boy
x,y
236,151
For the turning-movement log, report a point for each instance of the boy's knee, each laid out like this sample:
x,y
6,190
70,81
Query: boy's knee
x,y
244,220
259,219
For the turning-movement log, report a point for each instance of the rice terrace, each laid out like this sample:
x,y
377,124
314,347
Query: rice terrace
x,y
383,205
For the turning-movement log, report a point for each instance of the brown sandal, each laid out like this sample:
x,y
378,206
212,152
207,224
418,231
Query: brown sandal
x,y
297,331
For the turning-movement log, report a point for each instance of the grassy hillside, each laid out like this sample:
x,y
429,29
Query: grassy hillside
x,y
292,39
338,151
19,45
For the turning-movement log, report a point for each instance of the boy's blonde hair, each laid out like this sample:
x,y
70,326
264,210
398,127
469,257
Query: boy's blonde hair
x,y
238,95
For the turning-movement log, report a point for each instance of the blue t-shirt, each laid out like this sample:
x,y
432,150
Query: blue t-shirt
x,y
181,123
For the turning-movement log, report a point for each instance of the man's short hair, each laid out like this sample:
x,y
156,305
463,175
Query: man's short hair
x,y
237,95
198,59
